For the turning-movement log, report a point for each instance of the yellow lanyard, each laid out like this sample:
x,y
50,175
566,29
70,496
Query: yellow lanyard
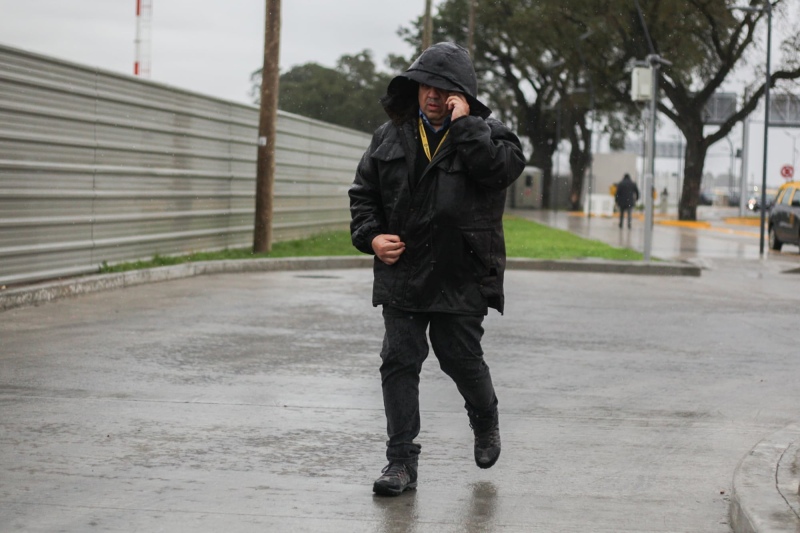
x,y
425,145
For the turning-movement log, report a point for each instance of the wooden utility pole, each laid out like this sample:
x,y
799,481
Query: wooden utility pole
x,y
265,166
427,32
473,4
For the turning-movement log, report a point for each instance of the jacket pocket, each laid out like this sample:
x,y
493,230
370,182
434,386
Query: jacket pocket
x,y
480,250
455,195
385,277
483,247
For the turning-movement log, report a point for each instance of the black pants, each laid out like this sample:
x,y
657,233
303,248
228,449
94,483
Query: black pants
x,y
622,211
456,342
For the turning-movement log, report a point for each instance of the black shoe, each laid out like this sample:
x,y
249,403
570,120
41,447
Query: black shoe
x,y
487,444
396,479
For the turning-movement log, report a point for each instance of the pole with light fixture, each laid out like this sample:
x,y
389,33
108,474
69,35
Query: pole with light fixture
x,y
655,61
763,204
768,7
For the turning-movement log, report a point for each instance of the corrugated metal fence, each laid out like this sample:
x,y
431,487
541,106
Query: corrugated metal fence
x,y
98,167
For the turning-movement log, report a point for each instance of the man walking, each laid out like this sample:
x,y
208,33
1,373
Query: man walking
x,y
427,201
626,197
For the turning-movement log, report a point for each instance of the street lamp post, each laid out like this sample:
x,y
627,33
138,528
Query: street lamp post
x,y
768,10
655,61
743,178
651,159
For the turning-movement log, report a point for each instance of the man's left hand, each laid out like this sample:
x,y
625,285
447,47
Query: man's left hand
x,y
457,103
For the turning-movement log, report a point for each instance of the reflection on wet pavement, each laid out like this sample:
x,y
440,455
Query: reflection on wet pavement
x,y
397,514
401,515
480,512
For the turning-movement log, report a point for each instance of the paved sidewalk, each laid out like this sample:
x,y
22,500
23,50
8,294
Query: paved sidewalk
x,y
766,486
251,402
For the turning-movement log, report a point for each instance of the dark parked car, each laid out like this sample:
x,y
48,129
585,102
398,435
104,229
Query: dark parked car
x,y
784,217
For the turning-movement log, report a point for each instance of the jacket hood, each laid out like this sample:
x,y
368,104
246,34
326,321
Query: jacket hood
x,y
445,66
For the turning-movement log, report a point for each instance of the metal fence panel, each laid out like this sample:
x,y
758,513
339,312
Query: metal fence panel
x,y
98,167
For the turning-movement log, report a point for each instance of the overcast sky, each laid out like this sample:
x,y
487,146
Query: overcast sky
x,y
203,45
212,47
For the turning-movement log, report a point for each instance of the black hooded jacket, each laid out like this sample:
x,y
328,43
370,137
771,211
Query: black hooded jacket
x,y
450,219
627,193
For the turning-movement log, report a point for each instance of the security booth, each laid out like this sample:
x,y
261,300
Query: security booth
x,y
526,192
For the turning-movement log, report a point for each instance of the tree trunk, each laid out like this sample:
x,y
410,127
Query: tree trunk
x,y
694,161
578,162
541,159
540,137
580,155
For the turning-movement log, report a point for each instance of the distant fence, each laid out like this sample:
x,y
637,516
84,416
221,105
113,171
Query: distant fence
x,y
99,167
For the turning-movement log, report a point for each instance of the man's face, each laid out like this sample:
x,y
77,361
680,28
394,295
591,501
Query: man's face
x,y
432,101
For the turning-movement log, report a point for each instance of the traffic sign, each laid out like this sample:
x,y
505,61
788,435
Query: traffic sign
x,y
787,172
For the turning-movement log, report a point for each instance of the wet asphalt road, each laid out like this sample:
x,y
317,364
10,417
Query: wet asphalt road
x,y
251,402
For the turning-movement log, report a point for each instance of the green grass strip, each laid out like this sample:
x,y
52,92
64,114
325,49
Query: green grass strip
x,y
323,244
523,239
528,239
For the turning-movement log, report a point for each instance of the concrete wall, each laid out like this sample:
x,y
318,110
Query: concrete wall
x,y
96,166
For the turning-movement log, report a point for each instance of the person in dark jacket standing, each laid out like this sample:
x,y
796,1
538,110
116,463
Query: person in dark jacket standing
x,y
626,197
427,201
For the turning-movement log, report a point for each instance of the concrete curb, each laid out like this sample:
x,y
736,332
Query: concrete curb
x,y
765,495
49,291
606,267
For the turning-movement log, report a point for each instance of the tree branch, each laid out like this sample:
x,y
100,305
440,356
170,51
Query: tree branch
x,y
750,105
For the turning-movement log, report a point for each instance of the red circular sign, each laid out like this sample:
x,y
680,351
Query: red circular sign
x,y
787,171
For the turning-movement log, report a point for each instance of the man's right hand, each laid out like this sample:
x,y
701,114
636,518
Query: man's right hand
x,y
388,248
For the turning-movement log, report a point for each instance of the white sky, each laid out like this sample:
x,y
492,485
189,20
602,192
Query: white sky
x,y
213,47
205,46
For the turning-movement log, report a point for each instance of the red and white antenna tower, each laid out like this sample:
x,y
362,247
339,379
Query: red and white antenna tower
x,y
144,17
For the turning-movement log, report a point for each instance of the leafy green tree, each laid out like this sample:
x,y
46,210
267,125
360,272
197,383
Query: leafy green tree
x,y
347,95
594,42
531,75
705,40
